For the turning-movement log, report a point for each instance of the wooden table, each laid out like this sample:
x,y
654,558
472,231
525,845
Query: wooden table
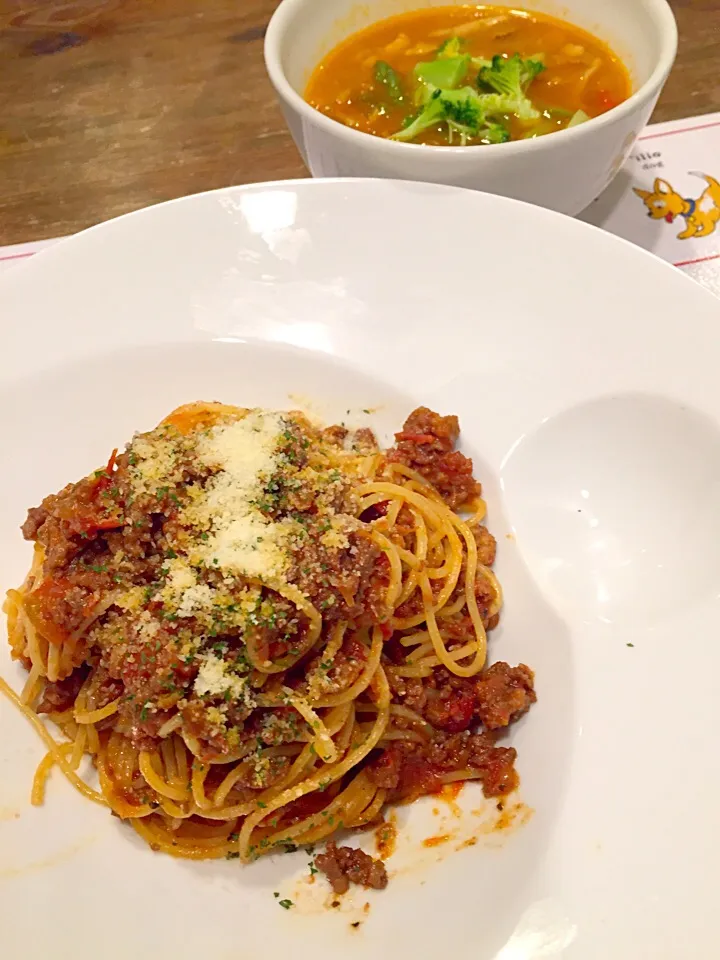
x,y
110,105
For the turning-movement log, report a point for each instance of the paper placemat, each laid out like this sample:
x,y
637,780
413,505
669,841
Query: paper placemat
x,y
666,199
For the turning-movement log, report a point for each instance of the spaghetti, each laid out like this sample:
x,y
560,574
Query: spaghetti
x,y
262,632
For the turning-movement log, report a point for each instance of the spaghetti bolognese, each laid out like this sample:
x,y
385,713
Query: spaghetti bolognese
x,y
262,631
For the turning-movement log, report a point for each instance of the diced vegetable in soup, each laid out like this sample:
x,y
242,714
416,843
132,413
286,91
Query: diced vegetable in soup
x,y
453,76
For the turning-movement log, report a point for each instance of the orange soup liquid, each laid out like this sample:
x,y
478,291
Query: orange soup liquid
x,y
582,73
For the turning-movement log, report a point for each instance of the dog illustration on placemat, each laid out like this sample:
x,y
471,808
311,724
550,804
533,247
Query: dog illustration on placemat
x,y
701,215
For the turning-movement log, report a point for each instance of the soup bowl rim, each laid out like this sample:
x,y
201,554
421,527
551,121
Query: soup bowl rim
x,y
657,10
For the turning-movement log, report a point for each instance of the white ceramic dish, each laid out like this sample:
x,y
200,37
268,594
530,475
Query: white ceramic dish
x,y
584,372
564,171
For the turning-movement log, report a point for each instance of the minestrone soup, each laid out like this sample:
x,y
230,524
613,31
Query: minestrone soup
x,y
454,76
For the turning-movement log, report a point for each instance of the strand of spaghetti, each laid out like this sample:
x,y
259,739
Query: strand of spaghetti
x,y
227,813
33,651
101,607
480,509
420,651
421,534
344,738
220,795
467,774
196,831
324,746
95,716
391,551
93,740
362,682
160,841
327,775
409,587
349,803
156,782
450,609
434,603
398,710
122,759
78,748
181,759
173,810
367,466
424,504
372,500
427,489
470,581
52,746
37,794
329,653
415,672
170,725
119,804
16,635
199,774
371,812
458,654
30,691
356,804
495,584
437,573
53,663
441,516
440,649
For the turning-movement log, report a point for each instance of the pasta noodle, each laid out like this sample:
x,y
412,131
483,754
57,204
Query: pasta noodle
x,y
227,620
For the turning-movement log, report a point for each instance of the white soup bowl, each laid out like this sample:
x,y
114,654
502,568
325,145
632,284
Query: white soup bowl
x,y
565,171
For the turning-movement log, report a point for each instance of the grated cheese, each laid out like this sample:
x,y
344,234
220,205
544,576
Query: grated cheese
x,y
242,540
215,679
155,463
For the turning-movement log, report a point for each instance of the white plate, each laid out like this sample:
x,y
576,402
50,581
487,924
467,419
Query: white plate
x,y
585,373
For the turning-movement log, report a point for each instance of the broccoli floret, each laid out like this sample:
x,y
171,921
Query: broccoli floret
x,y
431,115
510,75
446,73
452,47
462,106
460,109
386,77
494,133
508,78
499,105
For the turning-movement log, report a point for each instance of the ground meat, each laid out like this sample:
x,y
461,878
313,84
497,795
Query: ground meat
x,y
346,584
504,693
342,672
35,519
409,690
61,695
486,545
426,444
408,770
450,710
495,764
58,607
345,865
364,441
485,595
335,435
65,522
